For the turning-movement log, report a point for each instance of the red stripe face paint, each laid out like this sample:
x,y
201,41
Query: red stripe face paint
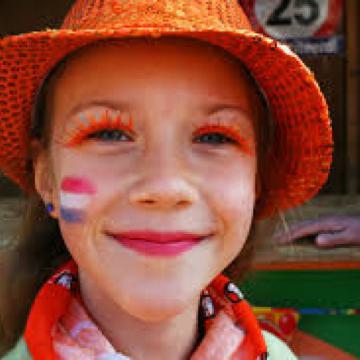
x,y
77,185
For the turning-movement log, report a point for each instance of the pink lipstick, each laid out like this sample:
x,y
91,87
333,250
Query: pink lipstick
x,y
158,243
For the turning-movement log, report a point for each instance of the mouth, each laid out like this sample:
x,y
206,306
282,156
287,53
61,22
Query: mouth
x,y
158,243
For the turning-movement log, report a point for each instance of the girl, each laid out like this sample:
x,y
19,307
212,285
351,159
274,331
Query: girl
x,y
154,133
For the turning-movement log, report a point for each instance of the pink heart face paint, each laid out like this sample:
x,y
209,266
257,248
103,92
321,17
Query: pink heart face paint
x,y
75,195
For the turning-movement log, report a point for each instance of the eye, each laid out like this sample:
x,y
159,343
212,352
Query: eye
x,y
222,135
109,128
109,135
215,138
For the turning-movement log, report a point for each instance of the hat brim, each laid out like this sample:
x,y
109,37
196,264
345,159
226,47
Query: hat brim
x,y
300,155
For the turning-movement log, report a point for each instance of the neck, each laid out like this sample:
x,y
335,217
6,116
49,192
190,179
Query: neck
x,y
172,338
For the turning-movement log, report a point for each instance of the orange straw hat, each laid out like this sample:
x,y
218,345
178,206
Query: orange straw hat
x,y
302,147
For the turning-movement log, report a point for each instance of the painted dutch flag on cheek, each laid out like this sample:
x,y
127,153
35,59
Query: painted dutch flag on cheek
x,y
75,196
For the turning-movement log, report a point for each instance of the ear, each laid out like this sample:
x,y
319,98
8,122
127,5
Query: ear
x,y
43,176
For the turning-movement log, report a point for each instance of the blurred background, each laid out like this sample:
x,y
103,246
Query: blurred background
x,y
326,34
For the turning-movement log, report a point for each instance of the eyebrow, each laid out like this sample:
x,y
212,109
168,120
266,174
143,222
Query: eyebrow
x,y
113,105
223,107
117,105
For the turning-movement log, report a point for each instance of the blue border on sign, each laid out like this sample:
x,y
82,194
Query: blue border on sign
x,y
334,45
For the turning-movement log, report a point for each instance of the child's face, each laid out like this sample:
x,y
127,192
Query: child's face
x,y
178,155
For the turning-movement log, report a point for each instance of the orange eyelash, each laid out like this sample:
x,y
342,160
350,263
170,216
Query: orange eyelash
x,y
229,131
106,122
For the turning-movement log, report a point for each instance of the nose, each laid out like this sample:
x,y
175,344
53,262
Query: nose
x,y
163,185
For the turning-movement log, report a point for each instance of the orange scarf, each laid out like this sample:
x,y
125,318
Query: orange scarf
x,y
59,327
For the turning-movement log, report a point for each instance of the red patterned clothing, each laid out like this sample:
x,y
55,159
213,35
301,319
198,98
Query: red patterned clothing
x,y
59,327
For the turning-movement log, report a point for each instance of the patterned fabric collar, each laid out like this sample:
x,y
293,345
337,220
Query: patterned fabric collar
x,y
59,327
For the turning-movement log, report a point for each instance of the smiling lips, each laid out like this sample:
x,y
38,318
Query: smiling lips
x,y
158,243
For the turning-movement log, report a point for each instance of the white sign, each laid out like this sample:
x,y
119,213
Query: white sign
x,y
283,19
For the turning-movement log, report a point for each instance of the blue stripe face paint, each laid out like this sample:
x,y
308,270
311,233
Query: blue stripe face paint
x,y
72,215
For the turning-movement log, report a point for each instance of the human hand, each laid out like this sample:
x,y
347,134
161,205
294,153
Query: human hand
x,y
329,231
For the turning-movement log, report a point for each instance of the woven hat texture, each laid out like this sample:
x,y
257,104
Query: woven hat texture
x,y
302,149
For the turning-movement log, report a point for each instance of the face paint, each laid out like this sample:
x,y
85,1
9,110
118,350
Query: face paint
x,y
231,133
75,195
91,126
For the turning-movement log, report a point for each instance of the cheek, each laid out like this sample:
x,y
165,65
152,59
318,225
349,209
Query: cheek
x,y
79,185
76,196
84,195
234,205
236,209
76,193
234,187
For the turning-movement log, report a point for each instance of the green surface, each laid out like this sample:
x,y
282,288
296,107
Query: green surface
x,y
341,331
313,289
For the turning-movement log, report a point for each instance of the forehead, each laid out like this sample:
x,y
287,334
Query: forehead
x,y
133,70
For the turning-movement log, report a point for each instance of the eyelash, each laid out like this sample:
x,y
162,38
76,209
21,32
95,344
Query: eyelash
x,y
110,124
107,123
229,133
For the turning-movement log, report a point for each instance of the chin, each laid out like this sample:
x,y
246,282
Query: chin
x,y
155,307
153,298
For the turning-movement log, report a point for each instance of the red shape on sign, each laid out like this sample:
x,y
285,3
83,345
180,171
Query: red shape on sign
x,y
333,20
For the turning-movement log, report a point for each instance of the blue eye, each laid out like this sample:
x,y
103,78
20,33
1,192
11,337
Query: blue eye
x,y
215,138
109,135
